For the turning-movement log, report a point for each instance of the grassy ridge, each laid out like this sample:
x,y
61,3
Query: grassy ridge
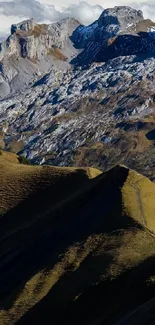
x,y
75,244
22,181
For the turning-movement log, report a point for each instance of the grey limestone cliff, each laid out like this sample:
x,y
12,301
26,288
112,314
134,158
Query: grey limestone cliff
x,y
33,48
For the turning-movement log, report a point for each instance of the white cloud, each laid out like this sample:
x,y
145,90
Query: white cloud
x,y
84,12
43,11
53,10
148,9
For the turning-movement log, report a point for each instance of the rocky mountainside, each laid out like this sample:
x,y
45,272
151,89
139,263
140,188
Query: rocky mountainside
x,y
31,50
87,116
79,116
112,21
77,246
28,39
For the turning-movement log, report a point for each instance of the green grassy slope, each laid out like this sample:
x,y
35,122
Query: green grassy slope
x,y
76,246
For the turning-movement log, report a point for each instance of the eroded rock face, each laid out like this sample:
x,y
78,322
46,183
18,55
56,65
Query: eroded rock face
x,y
28,39
61,31
9,47
25,25
43,46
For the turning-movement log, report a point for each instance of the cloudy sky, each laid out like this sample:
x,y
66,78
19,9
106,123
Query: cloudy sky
x,y
13,11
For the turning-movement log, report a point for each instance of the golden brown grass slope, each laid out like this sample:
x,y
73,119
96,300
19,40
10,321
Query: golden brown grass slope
x,y
76,246
19,182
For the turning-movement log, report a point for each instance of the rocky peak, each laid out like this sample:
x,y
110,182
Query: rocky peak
x,y
120,22
33,49
36,41
122,16
26,25
111,22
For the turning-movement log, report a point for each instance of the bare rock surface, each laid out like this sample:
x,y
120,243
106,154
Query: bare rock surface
x,y
99,113
40,46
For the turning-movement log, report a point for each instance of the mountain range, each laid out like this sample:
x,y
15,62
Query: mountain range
x,y
73,95
77,172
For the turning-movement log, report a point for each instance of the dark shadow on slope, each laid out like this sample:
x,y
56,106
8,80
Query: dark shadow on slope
x,y
51,308
151,135
143,56
109,46
35,233
133,126
124,45
111,300
93,42
102,303
78,41
41,81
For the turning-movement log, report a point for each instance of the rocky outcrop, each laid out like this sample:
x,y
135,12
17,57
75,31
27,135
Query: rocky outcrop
x,y
33,49
28,39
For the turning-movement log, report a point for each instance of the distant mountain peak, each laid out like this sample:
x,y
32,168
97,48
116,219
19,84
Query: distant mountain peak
x,y
21,41
113,22
124,15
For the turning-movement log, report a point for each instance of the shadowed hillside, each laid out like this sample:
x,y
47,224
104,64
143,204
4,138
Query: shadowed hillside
x,y
77,246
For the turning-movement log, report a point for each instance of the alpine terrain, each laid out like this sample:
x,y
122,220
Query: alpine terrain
x,y
77,171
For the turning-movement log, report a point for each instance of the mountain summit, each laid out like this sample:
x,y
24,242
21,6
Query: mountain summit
x,y
114,34
32,40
